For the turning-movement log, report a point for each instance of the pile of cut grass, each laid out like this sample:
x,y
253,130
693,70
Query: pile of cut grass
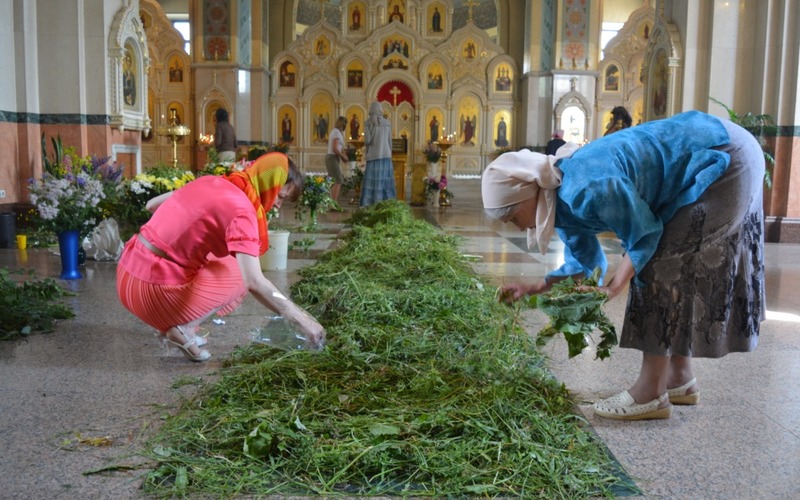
x,y
426,387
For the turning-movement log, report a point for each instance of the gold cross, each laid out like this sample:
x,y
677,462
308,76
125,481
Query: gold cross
x,y
470,4
395,92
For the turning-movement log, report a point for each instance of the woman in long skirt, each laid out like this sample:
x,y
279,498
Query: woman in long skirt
x,y
378,182
684,196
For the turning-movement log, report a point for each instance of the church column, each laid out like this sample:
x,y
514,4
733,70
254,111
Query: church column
x,y
536,89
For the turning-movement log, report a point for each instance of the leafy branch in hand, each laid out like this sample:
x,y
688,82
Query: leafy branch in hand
x,y
576,313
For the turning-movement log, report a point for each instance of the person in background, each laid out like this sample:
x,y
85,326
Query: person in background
x,y
684,197
224,137
198,254
620,120
336,152
378,182
556,142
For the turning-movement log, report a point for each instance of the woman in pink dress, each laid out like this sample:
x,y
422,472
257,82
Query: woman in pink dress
x,y
198,254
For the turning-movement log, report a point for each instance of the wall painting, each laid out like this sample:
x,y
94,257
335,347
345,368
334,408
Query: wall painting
x,y
321,114
130,67
396,10
355,75
502,129
287,74
288,120
175,69
435,77
436,19
355,123
355,17
435,128
468,111
503,77
611,81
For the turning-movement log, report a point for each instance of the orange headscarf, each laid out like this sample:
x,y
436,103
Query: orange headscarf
x,y
261,182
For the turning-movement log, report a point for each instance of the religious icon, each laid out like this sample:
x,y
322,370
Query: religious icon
x,y
501,141
176,71
322,47
129,77
436,21
286,129
435,81
612,78
287,74
502,83
395,63
321,121
355,78
468,129
434,129
469,50
396,15
660,84
355,126
355,19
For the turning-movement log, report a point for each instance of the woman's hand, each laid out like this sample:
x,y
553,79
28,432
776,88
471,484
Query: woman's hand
x,y
621,278
509,294
269,295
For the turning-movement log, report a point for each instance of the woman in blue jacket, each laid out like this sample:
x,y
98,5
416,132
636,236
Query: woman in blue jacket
x,y
684,197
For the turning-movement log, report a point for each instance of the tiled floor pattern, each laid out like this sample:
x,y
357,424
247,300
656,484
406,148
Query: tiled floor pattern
x,y
102,374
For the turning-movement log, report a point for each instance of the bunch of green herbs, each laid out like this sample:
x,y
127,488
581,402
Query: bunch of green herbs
x,y
575,309
29,305
427,387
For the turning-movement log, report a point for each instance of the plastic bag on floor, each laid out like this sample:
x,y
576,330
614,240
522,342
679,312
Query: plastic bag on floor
x,y
104,243
279,333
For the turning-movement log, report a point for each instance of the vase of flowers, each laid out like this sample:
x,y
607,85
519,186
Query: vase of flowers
x,y
66,198
432,154
432,185
315,198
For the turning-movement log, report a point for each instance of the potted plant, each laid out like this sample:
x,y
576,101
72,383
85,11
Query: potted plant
x,y
760,126
433,154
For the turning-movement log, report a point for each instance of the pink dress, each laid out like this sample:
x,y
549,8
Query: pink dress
x,y
200,228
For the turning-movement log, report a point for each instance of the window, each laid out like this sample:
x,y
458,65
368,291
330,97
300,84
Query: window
x,y
185,28
607,32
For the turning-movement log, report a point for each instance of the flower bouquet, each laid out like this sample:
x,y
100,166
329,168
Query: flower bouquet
x,y
68,195
67,199
315,198
432,153
137,191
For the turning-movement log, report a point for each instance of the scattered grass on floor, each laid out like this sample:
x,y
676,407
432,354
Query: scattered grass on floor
x,y
427,387
30,305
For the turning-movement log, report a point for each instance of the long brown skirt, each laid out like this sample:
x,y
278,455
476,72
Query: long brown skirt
x,y
705,284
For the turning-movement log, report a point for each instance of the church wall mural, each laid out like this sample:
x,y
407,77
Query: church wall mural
x,y
431,63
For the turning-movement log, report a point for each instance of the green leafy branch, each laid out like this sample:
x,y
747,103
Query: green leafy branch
x,y
29,306
576,311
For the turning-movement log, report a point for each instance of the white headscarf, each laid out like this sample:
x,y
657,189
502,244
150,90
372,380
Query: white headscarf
x,y
375,118
518,176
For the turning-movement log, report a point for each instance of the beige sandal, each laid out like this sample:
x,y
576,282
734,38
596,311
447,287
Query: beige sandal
x,y
624,407
680,396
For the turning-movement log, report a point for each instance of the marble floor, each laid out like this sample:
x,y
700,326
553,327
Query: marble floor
x,y
77,403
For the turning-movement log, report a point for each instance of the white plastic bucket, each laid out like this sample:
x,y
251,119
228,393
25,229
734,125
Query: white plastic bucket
x,y
276,257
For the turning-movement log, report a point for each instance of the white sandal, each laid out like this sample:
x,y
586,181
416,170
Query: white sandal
x,y
679,395
624,407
